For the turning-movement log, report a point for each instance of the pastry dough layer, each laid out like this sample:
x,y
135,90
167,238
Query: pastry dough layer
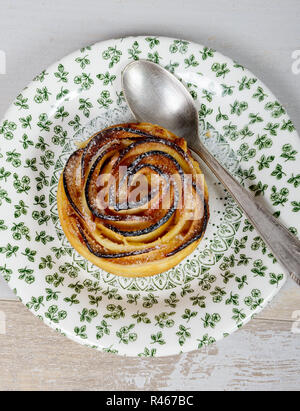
x,y
132,200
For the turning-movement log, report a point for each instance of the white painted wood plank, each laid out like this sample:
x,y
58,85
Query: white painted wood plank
x,y
264,355
284,304
244,31
5,292
260,35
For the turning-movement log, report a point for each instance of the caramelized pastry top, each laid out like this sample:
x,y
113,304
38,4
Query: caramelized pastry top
x,y
134,194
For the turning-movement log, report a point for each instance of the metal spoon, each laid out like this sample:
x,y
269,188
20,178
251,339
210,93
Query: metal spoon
x,y
156,96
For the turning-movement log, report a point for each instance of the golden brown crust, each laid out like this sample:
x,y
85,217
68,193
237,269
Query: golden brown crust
x,y
138,240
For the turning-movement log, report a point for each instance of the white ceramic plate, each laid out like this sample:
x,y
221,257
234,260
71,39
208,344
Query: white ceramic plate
x,y
230,276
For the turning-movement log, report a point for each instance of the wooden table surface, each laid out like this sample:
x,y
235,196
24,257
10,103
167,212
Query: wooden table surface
x,y
265,354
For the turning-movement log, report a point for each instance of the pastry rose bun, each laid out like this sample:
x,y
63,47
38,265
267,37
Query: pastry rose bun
x,y
132,200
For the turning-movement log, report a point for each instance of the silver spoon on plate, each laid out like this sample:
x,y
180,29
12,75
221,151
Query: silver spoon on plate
x,y
156,96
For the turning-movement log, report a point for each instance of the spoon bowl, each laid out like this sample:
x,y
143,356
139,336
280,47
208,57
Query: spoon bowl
x,y
154,95
148,87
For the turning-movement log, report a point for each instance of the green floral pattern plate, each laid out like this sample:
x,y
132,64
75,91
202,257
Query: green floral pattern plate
x,y
231,275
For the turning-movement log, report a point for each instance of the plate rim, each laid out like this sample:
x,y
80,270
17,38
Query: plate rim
x,y
108,41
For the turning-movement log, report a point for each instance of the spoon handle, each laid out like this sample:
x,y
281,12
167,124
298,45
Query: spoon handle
x,y
285,246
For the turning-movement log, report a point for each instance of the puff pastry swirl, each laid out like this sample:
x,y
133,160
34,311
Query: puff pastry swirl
x,y
132,200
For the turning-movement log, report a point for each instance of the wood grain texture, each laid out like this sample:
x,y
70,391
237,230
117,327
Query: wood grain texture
x,y
5,292
265,354
259,35
284,304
